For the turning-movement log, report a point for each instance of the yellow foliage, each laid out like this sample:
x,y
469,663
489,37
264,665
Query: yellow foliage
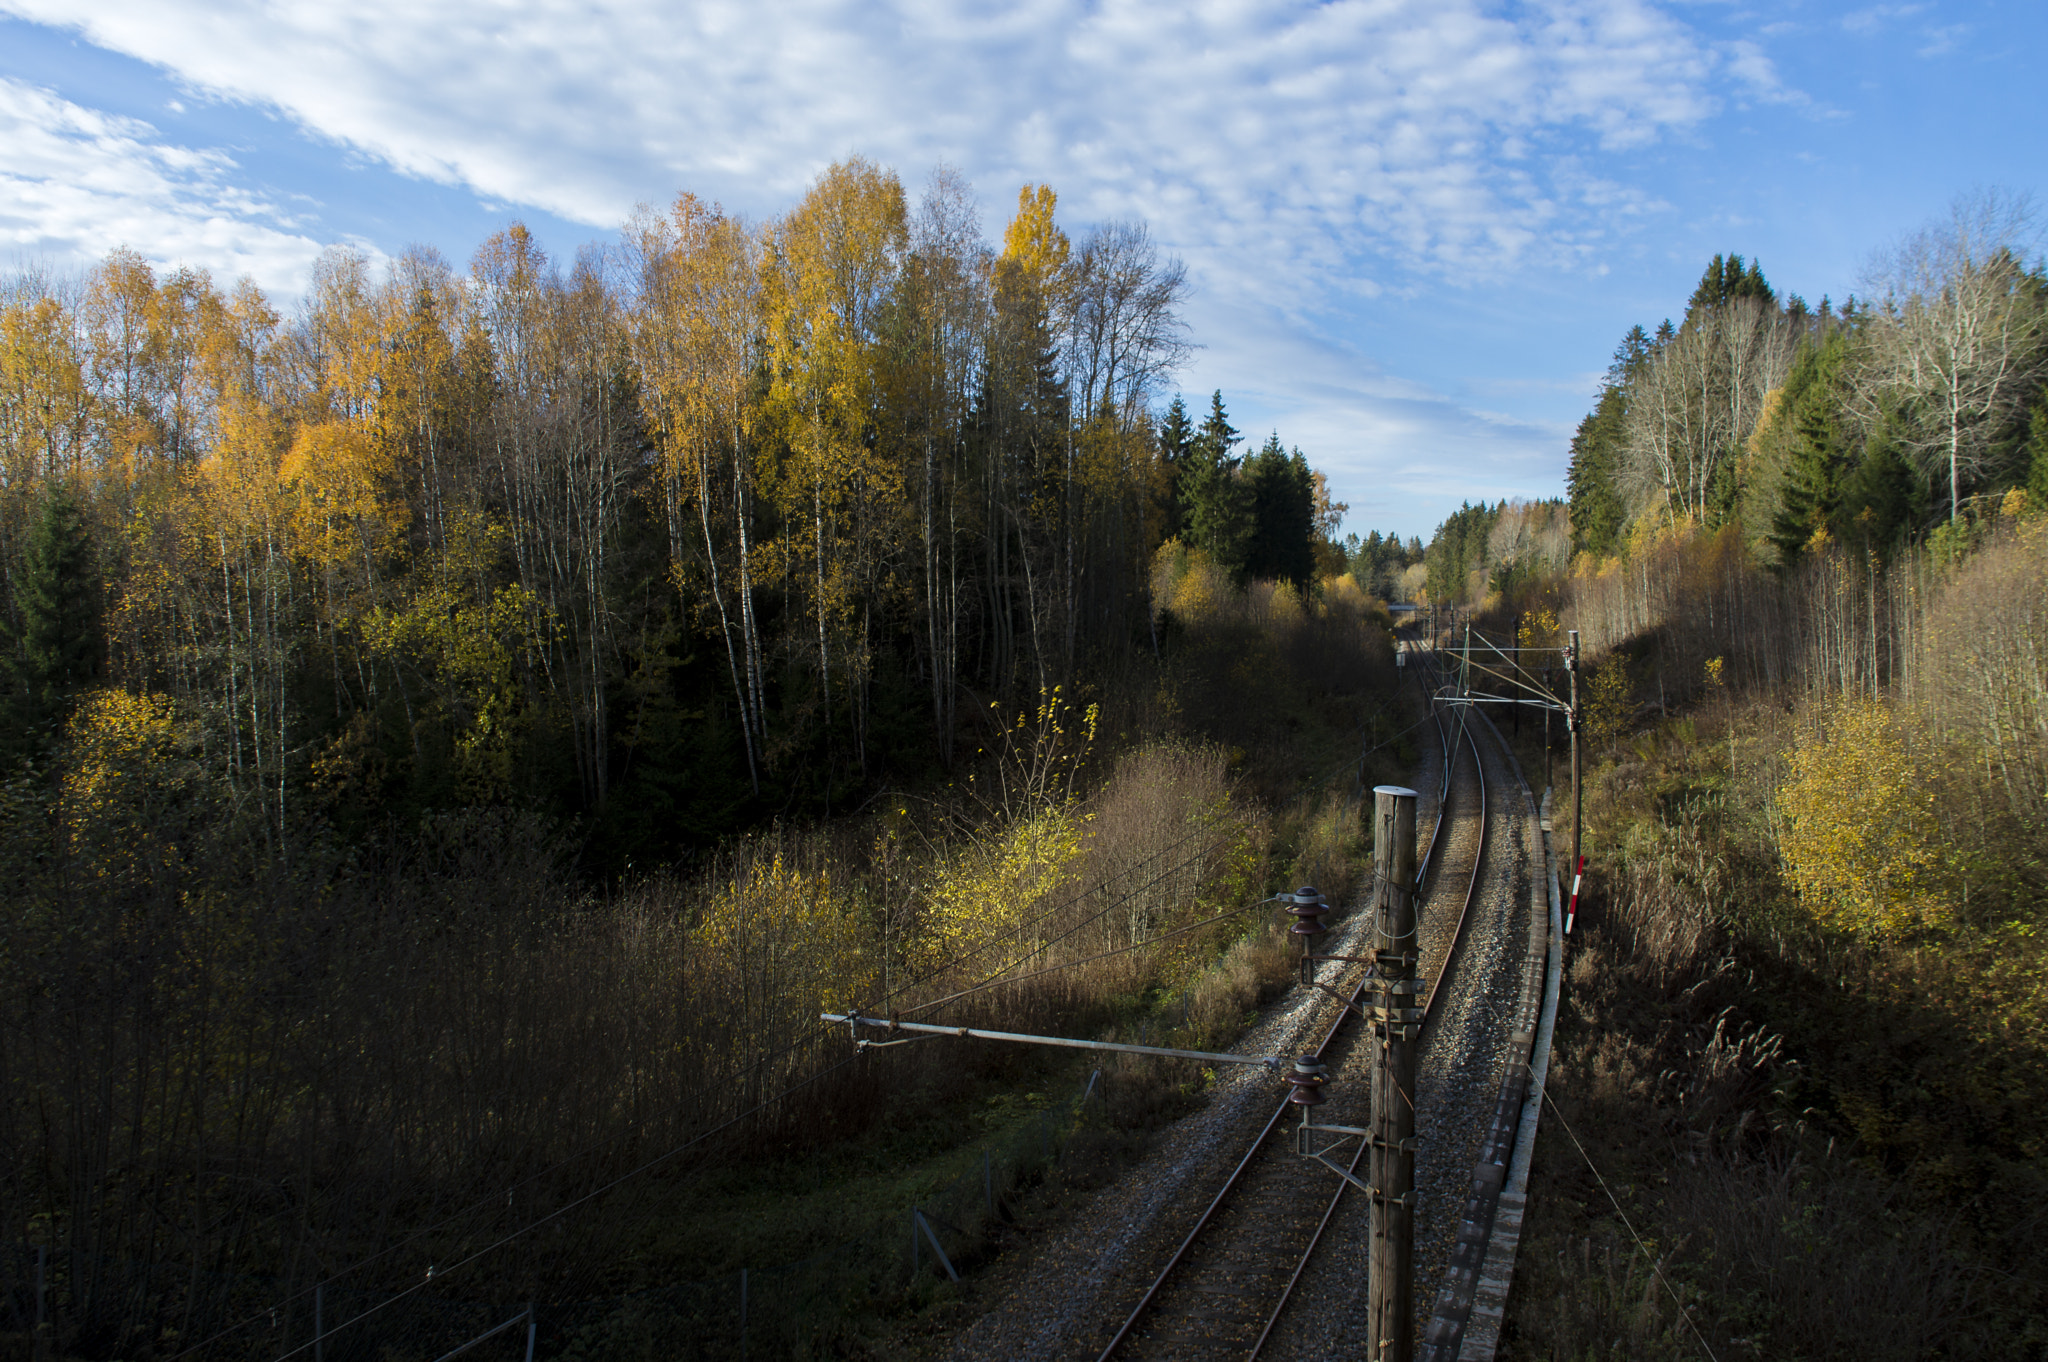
x,y
1767,419
1539,629
1038,762
340,475
1346,591
471,637
982,895
788,942
124,754
45,409
1608,702
1284,605
1033,241
1186,581
1859,837
236,490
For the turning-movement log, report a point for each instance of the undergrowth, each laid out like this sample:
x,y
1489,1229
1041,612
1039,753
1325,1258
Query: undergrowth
x,y
1769,1137
226,1082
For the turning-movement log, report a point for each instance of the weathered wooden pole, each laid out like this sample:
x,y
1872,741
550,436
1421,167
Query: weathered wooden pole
x,y
1397,1021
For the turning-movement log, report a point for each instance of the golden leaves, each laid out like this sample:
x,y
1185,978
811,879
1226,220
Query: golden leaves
x,y
1861,840
786,940
1610,701
342,476
124,766
984,891
1039,248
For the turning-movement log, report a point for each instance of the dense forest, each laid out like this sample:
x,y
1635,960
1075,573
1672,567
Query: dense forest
x,y
724,521
459,732
1794,1103
1869,424
1872,424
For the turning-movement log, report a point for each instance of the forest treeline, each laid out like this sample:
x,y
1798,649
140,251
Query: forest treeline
x,y
1805,1016
724,521
1872,424
1825,503
460,734
1868,424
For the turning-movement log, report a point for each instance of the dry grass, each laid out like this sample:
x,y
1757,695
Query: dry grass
x,y
305,1065
316,1069
1825,1144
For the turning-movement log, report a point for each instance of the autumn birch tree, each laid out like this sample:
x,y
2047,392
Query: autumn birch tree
x,y
697,342
1962,337
835,261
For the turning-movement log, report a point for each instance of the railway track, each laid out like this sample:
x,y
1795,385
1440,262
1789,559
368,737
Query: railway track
x,y
1267,1238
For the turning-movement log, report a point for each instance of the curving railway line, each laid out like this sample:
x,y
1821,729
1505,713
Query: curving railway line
x,y
1274,1266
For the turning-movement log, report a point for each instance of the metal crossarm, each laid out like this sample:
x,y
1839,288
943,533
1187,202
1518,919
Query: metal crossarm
x,y
855,1021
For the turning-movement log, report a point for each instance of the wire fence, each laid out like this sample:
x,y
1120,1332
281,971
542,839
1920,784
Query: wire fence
x,y
809,1306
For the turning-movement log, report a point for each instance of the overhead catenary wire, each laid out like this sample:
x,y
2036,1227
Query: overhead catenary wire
x,y
1103,955
994,979
1650,1258
993,937
758,1107
817,1032
561,1210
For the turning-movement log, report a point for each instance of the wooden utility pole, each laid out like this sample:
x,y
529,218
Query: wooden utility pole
x,y
1397,1022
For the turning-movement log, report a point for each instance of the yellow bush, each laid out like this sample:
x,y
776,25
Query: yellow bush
x,y
1609,704
1188,582
981,896
126,770
1860,836
789,944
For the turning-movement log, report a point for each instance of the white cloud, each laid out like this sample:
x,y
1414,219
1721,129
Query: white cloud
x,y
1304,158
76,182
1878,16
1418,135
1942,39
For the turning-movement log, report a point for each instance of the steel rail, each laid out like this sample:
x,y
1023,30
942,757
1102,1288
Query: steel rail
x,y
1428,1011
1230,1184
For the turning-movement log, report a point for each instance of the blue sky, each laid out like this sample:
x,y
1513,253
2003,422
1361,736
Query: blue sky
x,y
1416,230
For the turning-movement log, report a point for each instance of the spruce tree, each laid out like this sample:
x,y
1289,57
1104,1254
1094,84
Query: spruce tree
x,y
1218,436
1818,453
1726,279
1883,501
51,648
1597,512
1282,541
1217,507
1176,442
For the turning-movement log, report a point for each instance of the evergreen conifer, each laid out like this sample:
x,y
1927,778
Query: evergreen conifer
x,y
51,647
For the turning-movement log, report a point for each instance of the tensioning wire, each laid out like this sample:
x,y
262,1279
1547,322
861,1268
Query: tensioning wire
x,y
559,1211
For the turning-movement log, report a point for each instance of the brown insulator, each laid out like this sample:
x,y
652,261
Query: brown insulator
x,y
1308,908
1308,1078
